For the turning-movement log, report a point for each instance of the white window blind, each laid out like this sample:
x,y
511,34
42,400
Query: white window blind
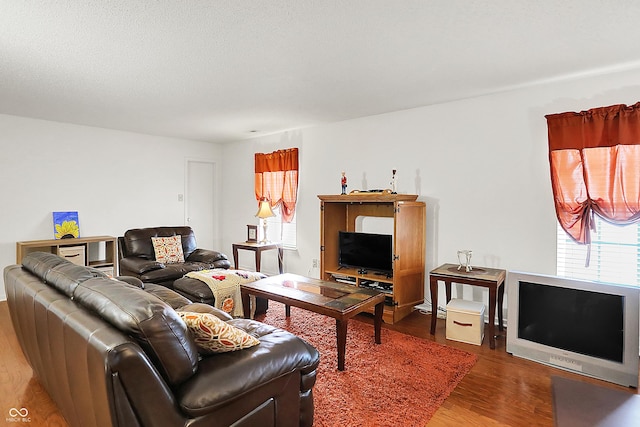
x,y
615,254
280,231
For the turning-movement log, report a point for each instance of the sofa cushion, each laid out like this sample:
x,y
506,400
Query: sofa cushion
x,y
213,335
137,241
168,250
58,272
197,396
139,266
171,272
39,263
152,322
174,299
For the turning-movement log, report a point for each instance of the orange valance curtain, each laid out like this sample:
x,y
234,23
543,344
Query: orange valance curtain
x,y
595,167
276,179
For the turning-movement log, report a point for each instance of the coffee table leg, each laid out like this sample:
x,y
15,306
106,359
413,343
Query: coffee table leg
x,y
341,332
377,321
287,310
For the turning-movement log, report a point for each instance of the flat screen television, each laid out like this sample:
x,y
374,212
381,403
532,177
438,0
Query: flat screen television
x,y
590,328
365,251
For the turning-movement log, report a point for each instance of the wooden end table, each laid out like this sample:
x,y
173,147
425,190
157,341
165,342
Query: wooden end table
x,y
258,248
338,300
491,278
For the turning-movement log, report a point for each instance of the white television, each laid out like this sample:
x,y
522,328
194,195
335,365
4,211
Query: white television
x,y
589,328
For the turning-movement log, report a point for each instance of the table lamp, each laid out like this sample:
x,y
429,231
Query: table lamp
x,y
264,212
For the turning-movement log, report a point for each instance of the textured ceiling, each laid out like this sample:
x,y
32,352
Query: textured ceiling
x,y
218,70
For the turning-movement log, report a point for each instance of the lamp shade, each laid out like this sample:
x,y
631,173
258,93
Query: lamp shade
x,y
264,209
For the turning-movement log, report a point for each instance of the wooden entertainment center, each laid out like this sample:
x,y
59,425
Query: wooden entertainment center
x,y
405,288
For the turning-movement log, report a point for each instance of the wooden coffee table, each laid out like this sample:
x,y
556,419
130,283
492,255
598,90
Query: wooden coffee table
x,y
338,300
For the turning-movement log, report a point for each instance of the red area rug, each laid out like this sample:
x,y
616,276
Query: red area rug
x,y
400,382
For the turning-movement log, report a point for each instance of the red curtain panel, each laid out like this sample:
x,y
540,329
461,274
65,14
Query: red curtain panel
x,y
595,167
276,179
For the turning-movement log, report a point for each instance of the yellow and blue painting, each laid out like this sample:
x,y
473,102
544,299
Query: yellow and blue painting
x,y
66,225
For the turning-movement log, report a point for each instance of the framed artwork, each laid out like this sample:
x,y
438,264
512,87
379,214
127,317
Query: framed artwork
x,y
252,233
66,225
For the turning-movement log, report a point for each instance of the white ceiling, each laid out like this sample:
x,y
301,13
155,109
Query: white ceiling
x,y
217,70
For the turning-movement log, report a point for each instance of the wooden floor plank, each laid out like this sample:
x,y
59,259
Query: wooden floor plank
x,y
19,389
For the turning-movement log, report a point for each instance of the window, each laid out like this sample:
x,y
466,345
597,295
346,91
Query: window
x,y
280,231
595,158
276,181
615,254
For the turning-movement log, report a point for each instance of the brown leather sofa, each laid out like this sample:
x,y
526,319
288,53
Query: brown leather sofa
x,y
137,256
110,353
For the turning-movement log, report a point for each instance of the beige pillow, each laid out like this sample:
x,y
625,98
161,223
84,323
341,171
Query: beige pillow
x,y
213,335
168,250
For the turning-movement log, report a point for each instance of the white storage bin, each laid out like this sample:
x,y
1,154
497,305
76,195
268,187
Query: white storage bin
x,y
75,254
465,321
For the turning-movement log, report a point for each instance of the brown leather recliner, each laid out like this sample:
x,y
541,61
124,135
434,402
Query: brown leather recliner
x,y
137,256
110,353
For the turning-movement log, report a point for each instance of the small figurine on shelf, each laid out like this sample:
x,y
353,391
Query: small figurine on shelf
x,y
393,182
343,182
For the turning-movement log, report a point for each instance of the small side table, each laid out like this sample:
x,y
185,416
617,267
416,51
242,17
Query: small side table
x,y
491,278
258,248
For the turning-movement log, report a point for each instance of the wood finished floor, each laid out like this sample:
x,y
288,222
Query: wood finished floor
x,y
500,390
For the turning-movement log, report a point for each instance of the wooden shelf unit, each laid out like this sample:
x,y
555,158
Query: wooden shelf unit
x,y
100,251
340,212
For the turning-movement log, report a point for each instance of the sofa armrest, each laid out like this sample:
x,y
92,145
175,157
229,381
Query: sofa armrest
x,y
206,255
197,307
131,280
139,265
222,263
271,369
136,383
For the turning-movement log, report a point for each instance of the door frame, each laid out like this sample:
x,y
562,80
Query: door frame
x,y
217,239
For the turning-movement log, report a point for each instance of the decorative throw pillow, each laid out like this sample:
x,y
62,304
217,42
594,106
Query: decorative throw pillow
x,y
168,250
213,335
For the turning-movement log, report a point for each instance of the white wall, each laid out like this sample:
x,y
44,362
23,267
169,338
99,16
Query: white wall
x,y
115,180
480,165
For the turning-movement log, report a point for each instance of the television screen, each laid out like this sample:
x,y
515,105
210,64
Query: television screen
x,y
585,322
582,326
367,251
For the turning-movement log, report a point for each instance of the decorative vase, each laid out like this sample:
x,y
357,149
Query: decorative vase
x,y
464,260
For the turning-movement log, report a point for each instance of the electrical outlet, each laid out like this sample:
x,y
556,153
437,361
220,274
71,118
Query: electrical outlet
x,y
314,263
